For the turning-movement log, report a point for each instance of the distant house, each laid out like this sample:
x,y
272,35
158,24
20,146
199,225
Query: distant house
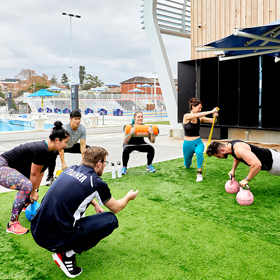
x,y
137,82
10,85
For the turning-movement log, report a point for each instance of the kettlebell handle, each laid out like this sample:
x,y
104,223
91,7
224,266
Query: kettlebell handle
x,y
33,205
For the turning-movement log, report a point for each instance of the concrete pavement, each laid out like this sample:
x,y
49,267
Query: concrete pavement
x,y
166,148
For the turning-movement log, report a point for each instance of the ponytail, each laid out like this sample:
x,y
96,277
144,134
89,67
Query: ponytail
x,y
134,115
58,131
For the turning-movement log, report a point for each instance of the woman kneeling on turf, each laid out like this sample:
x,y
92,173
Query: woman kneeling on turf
x,y
192,141
22,169
138,144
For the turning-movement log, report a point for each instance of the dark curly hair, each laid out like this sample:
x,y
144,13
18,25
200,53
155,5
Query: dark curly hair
x,y
214,148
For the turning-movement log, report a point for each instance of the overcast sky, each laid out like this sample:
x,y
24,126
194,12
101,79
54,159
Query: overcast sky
x,y
108,39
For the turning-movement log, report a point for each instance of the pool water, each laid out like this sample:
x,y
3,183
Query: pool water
x,y
19,125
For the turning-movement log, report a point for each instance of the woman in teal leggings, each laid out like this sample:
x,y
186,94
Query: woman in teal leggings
x,y
192,141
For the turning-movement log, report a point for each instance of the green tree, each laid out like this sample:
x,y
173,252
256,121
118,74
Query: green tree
x,y
86,87
54,80
64,78
37,87
2,103
82,74
92,81
14,105
2,95
21,91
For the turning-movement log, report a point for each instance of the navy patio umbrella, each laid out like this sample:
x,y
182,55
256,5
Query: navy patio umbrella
x,y
260,40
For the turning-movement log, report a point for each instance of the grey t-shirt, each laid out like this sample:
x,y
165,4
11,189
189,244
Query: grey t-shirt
x,y
75,136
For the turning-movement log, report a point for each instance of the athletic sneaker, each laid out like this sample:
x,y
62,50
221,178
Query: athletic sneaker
x,y
16,228
199,177
124,170
151,168
49,181
68,265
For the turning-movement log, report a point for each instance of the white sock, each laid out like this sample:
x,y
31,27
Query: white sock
x,y
70,253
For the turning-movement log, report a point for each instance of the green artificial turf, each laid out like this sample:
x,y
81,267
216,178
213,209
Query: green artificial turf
x,y
174,229
161,122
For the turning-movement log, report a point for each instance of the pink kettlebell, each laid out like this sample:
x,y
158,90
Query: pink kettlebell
x,y
245,197
232,186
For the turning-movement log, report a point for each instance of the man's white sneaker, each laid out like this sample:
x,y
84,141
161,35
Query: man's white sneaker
x,y
199,177
49,181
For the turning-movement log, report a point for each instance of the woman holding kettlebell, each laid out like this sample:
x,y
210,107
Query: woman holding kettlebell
x,y
22,168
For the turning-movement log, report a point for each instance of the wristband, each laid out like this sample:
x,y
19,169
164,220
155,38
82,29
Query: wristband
x,y
246,178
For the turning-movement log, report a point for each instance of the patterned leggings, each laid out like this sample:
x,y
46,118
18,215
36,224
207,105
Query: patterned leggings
x,y
10,178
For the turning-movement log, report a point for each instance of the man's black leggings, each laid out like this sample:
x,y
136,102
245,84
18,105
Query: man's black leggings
x,y
76,149
142,148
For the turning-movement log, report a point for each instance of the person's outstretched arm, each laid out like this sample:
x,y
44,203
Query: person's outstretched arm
x,y
117,205
190,116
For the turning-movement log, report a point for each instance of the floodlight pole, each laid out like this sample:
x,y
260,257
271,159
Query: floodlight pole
x,y
155,86
77,16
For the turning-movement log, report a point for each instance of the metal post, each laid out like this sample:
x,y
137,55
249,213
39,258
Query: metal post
x,y
155,86
71,75
9,100
70,79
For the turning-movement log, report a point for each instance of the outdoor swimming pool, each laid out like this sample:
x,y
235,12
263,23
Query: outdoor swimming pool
x,y
19,125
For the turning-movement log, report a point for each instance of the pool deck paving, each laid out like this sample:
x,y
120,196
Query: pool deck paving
x,y
166,147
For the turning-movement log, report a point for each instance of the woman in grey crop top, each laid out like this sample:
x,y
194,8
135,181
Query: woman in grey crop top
x,y
192,141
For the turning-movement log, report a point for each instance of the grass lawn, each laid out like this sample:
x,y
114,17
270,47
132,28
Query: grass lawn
x,y
175,229
162,122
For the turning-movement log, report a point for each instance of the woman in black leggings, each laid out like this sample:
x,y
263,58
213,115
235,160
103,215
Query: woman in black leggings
x,y
138,144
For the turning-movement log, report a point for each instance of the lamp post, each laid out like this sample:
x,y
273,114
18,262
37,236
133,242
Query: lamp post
x,y
155,86
77,16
